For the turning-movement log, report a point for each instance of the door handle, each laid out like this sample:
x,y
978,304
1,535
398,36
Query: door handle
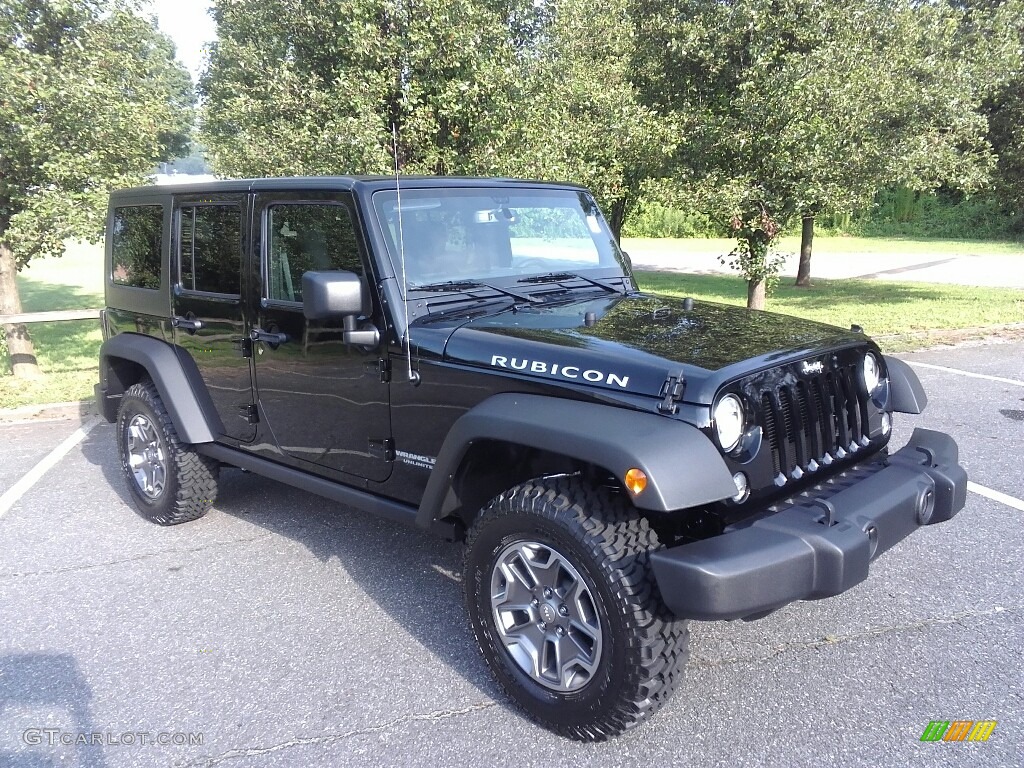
x,y
186,323
269,337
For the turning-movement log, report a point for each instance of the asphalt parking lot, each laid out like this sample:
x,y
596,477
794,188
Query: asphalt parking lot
x,y
284,630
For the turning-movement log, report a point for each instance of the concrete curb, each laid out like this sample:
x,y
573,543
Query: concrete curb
x,y
80,411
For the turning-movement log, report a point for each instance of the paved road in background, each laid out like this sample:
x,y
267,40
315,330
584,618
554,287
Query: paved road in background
x,y
834,258
291,631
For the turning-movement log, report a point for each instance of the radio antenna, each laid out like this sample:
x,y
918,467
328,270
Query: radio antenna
x,y
413,376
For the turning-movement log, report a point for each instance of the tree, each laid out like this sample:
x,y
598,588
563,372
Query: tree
x,y
1005,107
472,87
573,113
90,99
794,107
299,87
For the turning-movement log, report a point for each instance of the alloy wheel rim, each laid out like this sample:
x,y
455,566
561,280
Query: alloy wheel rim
x,y
546,616
146,457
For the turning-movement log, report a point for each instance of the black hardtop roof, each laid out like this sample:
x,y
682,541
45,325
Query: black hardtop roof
x,y
340,183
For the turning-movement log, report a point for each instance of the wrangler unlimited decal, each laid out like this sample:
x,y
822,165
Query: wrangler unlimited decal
x,y
555,369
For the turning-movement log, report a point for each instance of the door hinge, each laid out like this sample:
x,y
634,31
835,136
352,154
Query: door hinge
x,y
250,412
384,367
245,346
383,449
671,393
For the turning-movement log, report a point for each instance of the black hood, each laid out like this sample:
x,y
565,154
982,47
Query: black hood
x,y
633,343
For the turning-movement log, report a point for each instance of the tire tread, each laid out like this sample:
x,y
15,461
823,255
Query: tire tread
x,y
195,476
620,543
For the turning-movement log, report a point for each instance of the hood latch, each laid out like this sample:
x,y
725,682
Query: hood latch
x,y
671,393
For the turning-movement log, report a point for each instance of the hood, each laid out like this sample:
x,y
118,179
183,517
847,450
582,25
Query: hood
x,y
633,343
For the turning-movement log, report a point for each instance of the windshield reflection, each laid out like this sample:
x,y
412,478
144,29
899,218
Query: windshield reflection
x,y
489,234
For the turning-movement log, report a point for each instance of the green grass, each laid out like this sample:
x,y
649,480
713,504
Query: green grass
x,y
67,351
840,246
882,308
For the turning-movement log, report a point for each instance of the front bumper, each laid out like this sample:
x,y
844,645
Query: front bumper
x,y
819,542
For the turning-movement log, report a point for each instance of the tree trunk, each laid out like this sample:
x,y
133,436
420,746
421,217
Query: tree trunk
x,y
755,294
618,218
803,273
19,344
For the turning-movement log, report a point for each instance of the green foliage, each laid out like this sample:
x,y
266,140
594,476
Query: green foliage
x,y
518,89
801,106
755,255
1005,113
653,219
90,99
946,214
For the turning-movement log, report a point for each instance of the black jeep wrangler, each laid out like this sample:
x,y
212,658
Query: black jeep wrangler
x,y
472,356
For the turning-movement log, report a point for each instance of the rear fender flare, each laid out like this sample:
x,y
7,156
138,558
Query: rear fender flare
x,y
176,377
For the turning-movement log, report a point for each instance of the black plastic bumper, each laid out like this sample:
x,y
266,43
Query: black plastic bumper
x,y
820,542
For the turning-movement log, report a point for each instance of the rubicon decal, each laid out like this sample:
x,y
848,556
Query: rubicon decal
x,y
573,372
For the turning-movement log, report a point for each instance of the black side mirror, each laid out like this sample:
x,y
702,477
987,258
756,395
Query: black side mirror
x,y
339,294
333,294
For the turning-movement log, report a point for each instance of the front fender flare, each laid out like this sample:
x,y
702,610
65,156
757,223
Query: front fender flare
x,y
908,396
176,378
683,467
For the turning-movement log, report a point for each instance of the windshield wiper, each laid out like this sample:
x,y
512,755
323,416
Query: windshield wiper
x,y
558,277
462,285
448,285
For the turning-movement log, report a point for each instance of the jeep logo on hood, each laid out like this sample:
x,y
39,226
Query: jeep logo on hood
x,y
557,369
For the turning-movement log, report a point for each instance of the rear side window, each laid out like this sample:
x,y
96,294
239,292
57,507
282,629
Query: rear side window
x,y
137,244
210,248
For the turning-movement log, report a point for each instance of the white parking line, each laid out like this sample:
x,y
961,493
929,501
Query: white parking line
x,y
20,488
1002,498
1000,379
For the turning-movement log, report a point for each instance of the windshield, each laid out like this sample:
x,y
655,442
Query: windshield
x,y
486,234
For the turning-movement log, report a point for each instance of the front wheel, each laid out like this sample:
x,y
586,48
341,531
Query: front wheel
x,y
565,610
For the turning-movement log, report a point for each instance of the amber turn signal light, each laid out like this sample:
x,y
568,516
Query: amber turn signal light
x,y
636,481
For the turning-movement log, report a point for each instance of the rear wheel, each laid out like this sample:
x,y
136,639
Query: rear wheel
x,y
169,481
565,609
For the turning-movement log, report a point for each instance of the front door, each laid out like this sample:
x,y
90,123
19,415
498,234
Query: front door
x,y
326,402
209,325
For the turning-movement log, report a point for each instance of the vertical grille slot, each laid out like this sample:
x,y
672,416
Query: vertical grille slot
x,y
835,389
789,432
771,433
780,445
808,430
826,420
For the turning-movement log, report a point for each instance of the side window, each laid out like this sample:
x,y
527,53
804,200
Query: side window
x,y
306,237
210,248
137,246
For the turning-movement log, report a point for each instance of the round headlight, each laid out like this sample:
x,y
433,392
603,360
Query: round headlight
x,y
729,422
872,372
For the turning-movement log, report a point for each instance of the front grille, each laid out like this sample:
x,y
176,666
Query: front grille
x,y
813,420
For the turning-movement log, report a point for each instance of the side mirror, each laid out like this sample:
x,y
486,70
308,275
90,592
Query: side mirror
x,y
333,294
339,294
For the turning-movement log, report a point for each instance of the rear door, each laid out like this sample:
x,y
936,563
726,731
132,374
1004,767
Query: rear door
x,y
327,402
209,324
